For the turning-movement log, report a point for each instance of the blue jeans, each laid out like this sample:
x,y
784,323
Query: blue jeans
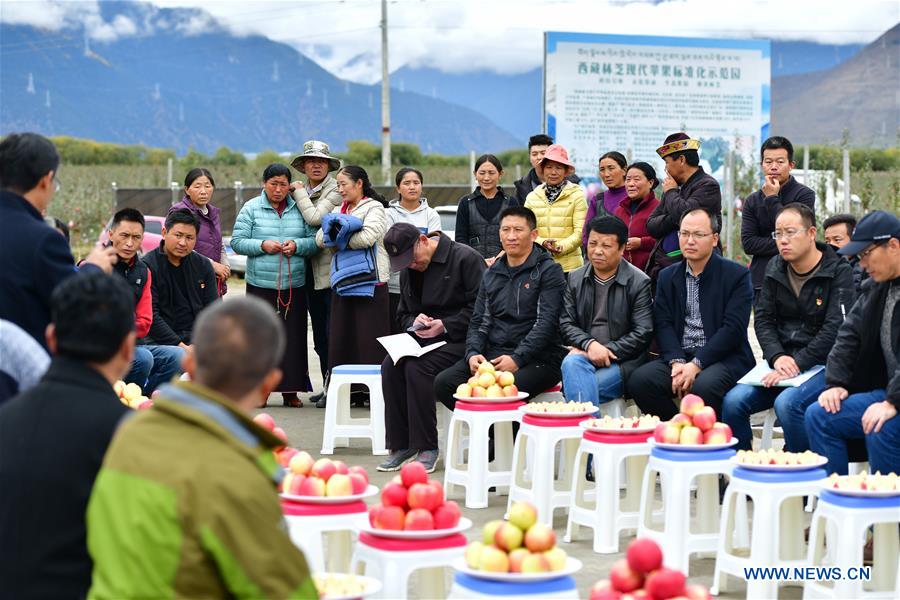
x,y
166,365
828,434
141,365
790,405
583,382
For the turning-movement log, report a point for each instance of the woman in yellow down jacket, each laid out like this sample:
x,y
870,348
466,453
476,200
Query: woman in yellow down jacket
x,y
560,208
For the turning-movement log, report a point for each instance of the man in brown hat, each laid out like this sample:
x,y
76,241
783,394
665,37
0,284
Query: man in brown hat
x,y
439,281
686,187
316,198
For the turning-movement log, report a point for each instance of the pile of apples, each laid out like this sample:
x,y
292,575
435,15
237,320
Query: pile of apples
x,y
641,575
412,502
519,545
266,421
623,423
323,477
695,425
875,482
777,457
488,382
130,395
561,406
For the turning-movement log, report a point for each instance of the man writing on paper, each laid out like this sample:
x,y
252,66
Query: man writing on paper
x,y
863,369
806,290
439,282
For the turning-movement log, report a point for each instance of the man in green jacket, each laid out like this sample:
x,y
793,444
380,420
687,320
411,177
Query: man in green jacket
x,y
186,504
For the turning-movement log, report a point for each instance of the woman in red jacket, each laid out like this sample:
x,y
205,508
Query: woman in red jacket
x,y
635,209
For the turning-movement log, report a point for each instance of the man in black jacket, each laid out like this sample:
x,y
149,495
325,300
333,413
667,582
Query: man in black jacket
x,y
515,323
34,257
762,206
863,369
807,291
686,187
439,281
837,230
607,318
537,146
182,283
53,438
701,314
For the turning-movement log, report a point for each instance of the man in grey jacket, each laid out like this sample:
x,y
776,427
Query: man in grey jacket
x,y
607,317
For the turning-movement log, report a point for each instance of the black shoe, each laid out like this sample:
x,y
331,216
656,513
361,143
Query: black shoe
x,y
316,397
320,403
397,459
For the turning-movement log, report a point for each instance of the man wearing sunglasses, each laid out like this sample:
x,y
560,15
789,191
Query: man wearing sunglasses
x,y
863,368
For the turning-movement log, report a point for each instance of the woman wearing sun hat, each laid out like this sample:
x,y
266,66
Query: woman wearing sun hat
x,y
315,199
560,208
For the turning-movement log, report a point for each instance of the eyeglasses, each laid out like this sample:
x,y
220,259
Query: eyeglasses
x,y
786,234
697,235
865,253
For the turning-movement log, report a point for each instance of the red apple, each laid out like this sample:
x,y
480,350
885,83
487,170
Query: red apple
x,y
418,519
323,469
690,435
515,559
295,484
358,483
644,555
535,562
285,456
340,467
623,578
423,495
508,537
374,511
539,538
280,434
511,391
447,515
478,392
719,434
680,420
394,494
145,405
695,591
704,418
339,485
603,590
359,471
690,404
262,419
390,517
438,490
666,433
413,472
665,583
301,463
312,486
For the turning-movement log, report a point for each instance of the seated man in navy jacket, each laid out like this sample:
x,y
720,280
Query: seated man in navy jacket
x,y
701,314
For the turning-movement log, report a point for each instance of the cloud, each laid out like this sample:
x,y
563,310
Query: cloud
x,y
504,36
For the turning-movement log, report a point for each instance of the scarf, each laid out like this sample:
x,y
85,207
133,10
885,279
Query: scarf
x,y
553,191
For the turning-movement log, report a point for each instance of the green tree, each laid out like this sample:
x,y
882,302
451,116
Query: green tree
x,y
226,157
266,158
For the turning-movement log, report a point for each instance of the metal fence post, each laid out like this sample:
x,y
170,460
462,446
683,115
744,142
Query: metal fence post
x,y
173,185
846,165
238,197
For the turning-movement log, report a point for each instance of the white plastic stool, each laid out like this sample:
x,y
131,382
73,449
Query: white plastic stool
x,y
339,425
393,561
535,450
768,428
677,470
308,524
607,516
846,519
475,474
777,525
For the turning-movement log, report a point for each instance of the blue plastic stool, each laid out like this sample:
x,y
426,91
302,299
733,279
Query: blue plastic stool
x,y
467,586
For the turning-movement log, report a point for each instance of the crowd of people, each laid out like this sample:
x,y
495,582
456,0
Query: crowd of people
x,y
625,294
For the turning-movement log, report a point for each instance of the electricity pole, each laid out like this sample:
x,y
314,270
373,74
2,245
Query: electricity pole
x,y
385,100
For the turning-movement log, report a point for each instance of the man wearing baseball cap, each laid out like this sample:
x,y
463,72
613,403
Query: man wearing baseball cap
x,y
863,368
439,281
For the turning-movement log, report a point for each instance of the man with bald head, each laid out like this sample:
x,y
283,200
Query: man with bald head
x,y
186,502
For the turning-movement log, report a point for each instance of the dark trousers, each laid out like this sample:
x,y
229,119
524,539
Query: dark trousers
x,y
651,387
534,378
318,302
410,414
394,300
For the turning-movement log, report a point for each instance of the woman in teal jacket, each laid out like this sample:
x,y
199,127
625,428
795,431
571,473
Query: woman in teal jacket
x,y
272,234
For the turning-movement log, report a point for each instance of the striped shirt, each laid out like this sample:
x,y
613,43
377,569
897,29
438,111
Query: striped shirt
x,y
694,336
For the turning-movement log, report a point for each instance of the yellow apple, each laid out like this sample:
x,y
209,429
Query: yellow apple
x,y
494,391
486,380
486,367
464,390
505,378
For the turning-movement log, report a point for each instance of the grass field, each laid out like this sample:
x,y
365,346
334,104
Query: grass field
x,y
85,199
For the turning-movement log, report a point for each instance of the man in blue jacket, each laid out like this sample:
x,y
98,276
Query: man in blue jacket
x,y
34,257
701,314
